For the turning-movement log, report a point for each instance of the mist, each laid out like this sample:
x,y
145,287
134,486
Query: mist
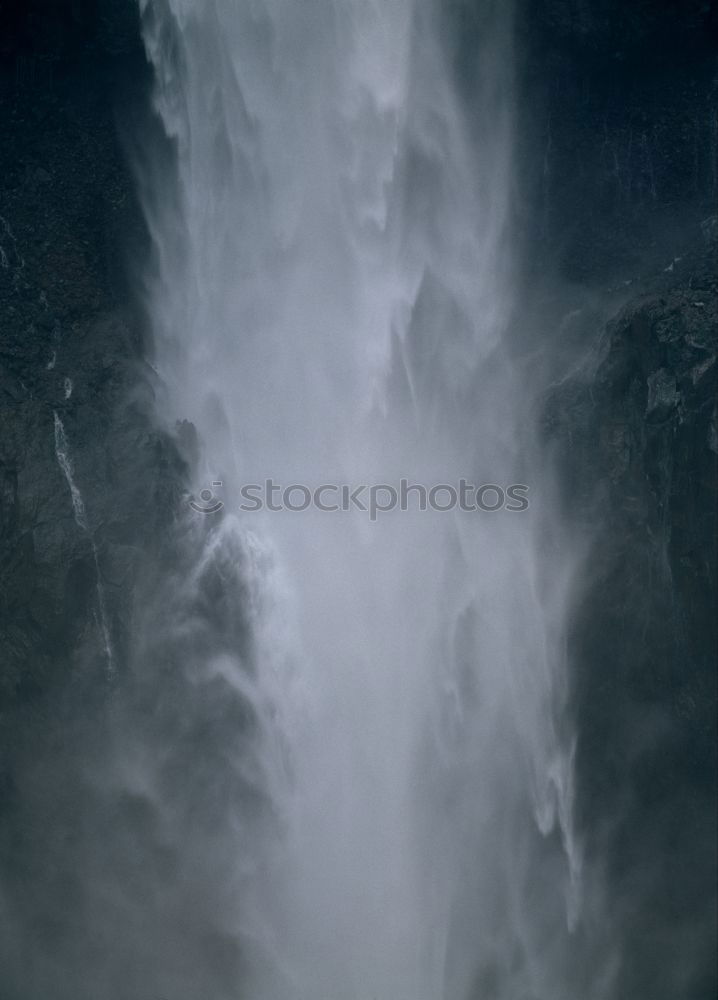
x,y
336,280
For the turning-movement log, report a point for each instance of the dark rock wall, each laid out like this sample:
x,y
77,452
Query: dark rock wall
x,y
620,131
637,434
71,346
620,156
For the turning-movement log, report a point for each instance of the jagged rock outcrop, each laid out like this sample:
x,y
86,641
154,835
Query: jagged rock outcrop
x,y
635,430
620,100
75,390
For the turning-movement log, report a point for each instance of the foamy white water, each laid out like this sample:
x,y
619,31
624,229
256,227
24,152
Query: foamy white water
x,y
334,286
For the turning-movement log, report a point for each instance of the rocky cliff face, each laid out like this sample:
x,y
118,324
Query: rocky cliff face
x,y
636,433
620,132
87,485
621,103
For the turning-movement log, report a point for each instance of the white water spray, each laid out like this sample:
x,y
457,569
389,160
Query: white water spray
x,y
333,294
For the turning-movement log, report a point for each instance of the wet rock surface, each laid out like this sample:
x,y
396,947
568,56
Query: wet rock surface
x,y
636,434
619,131
622,102
71,350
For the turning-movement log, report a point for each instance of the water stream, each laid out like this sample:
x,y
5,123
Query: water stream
x,y
332,301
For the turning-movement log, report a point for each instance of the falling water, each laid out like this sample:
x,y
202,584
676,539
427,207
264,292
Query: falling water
x,y
62,453
334,293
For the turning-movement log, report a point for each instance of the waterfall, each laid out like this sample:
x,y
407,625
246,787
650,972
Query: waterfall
x,y
332,303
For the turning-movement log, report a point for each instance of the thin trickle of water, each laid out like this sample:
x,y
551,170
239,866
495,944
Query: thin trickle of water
x,y
62,453
335,285
10,256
